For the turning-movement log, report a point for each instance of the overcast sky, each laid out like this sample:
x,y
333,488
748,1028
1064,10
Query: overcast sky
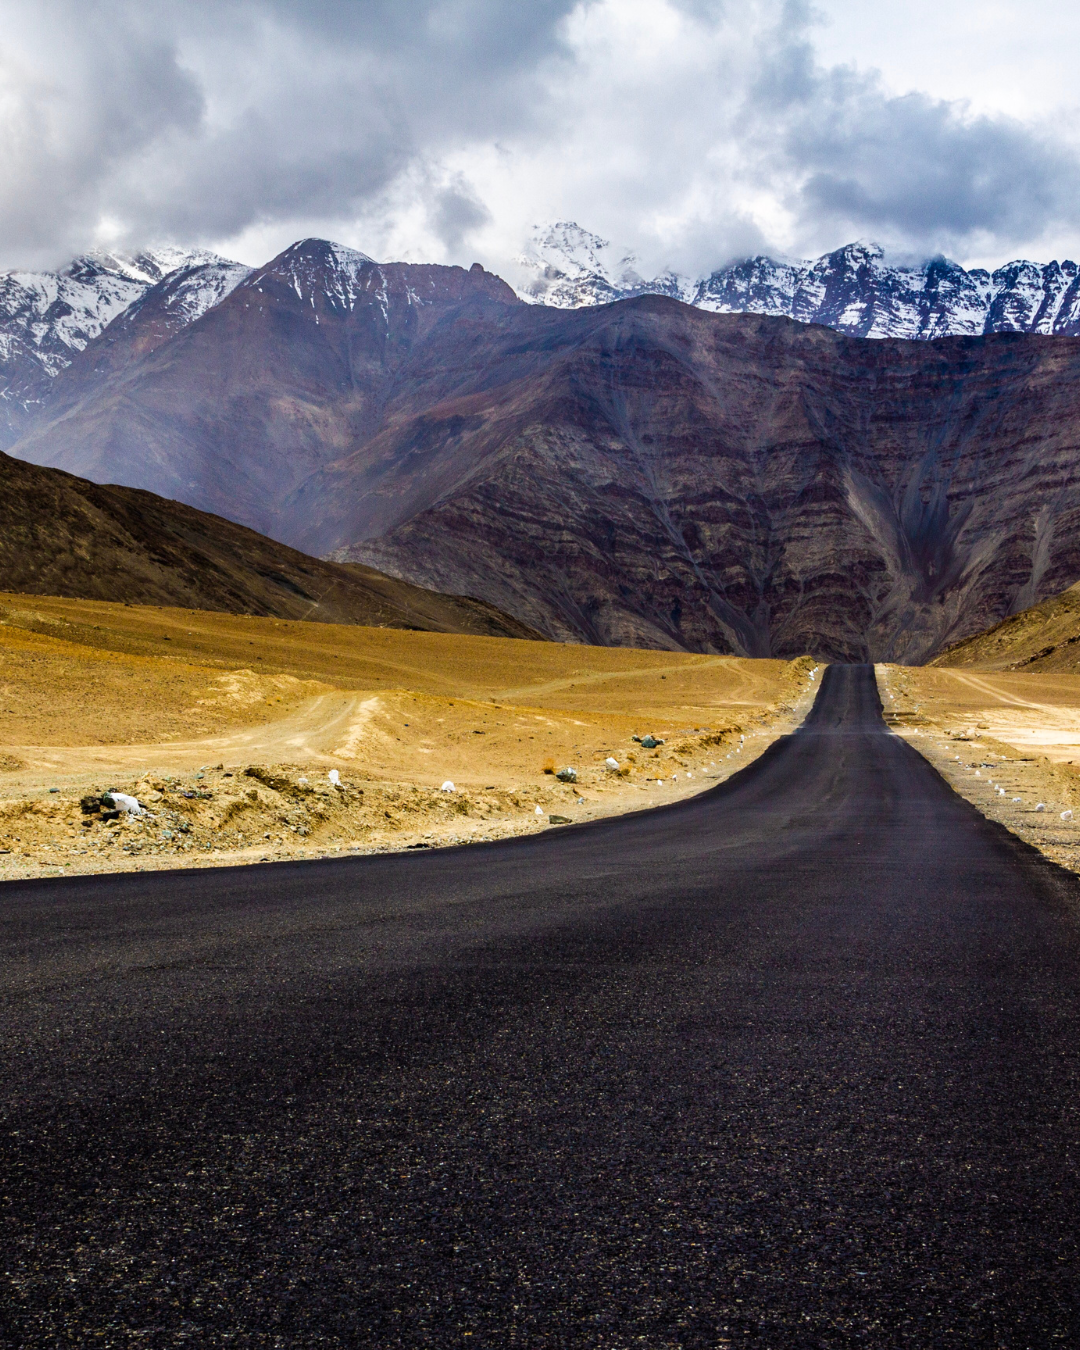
x,y
442,130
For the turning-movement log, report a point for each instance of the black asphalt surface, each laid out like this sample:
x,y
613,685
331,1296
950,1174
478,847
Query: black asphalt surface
x,y
790,1064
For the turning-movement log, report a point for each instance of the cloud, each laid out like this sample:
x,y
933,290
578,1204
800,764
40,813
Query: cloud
x,y
909,169
690,130
693,129
131,120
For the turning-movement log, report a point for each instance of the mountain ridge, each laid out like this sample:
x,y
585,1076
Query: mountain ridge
x,y
48,318
852,289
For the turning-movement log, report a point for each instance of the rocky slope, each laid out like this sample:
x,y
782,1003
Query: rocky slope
x,y
643,473
853,289
1042,639
61,535
47,318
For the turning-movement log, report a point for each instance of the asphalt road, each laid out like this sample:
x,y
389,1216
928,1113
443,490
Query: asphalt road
x,y
794,1063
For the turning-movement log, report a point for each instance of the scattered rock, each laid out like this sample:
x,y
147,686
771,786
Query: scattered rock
x,y
560,820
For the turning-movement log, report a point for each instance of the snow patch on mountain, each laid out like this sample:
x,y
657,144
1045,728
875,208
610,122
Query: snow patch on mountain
x,y
319,269
52,315
47,317
187,293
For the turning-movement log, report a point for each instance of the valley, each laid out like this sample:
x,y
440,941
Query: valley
x,y
643,474
502,492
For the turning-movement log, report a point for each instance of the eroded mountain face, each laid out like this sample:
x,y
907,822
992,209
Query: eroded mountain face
x,y
733,483
641,473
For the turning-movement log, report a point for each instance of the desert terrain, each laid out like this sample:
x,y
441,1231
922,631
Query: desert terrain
x,y
226,728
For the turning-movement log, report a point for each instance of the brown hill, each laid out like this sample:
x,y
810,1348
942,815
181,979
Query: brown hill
x,y
641,473
1042,639
61,535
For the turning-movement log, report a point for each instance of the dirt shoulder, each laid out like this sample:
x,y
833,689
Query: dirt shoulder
x,y
1003,742
236,764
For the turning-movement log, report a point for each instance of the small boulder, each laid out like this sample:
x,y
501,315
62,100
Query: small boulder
x,y
120,801
447,786
567,775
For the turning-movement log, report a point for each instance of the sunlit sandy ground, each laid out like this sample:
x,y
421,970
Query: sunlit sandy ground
x,y
228,728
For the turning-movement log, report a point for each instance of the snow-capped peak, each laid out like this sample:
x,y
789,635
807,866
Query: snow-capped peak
x,y
316,268
46,317
185,294
569,267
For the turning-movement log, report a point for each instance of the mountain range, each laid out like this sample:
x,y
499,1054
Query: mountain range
x,y
643,472
854,289
46,318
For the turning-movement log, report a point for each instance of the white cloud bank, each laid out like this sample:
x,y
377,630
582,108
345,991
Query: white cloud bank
x,y
691,130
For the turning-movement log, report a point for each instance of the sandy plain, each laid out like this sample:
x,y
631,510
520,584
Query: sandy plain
x,y
1008,741
227,727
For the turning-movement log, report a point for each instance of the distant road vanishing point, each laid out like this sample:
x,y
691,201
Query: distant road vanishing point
x,y
794,1063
